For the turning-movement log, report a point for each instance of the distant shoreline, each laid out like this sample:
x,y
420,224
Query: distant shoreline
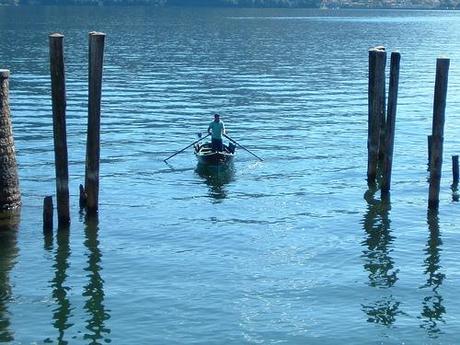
x,y
329,6
241,7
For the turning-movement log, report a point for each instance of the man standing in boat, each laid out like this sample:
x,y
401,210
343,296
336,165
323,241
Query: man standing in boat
x,y
216,129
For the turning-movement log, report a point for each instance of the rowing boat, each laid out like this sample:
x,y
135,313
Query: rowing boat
x,y
206,156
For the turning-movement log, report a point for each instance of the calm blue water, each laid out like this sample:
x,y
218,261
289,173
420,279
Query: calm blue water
x,y
291,250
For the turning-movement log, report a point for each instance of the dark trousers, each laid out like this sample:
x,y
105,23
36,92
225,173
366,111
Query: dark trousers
x,y
217,145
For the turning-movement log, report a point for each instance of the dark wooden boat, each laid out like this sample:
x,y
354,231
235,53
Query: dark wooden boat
x,y
206,156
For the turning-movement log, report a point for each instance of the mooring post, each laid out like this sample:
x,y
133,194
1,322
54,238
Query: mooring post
x,y
48,214
96,57
390,122
455,171
455,168
382,109
376,109
82,199
58,94
430,141
10,195
439,107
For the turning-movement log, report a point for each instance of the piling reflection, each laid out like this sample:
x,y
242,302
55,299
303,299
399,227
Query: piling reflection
x,y
432,305
8,254
63,310
377,259
97,331
216,177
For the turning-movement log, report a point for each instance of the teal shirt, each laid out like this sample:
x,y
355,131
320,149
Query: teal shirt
x,y
217,129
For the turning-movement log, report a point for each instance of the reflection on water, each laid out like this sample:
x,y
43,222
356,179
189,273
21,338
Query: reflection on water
x,y
97,331
377,260
432,306
93,290
8,255
61,291
216,177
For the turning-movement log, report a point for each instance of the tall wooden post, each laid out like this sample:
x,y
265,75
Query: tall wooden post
x,y
390,123
96,56
439,107
383,109
430,141
59,127
10,195
376,109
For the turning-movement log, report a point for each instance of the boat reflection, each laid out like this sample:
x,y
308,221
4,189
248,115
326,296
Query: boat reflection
x,y
377,259
97,331
8,254
216,177
432,305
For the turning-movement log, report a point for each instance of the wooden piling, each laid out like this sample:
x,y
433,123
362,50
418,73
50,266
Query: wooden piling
x,y
390,122
10,195
82,199
455,178
59,127
439,107
382,109
376,109
430,141
455,170
48,214
96,56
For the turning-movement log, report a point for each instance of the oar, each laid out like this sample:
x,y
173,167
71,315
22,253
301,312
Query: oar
x,y
185,148
244,148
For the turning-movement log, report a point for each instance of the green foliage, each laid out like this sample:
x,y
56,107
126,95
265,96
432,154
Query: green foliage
x,y
246,3
217,3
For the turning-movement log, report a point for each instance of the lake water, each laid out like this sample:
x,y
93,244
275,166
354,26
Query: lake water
x,y
294,249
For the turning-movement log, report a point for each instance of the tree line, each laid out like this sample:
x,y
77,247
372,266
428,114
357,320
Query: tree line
x,y
215,3
445,4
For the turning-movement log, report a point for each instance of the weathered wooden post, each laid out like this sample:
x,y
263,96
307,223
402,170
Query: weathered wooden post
x,y
439,107
10,195
430,141
382,109
455,180
390,122
48,214
59,127
455,171
376,109
96,57
82,199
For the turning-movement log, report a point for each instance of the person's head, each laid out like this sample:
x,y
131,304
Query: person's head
x,y
216,117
